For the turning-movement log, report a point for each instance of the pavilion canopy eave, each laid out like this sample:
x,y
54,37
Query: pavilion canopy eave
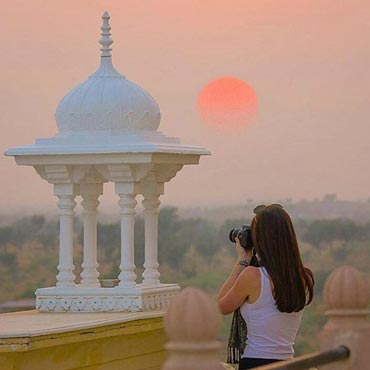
x,y
138,144
105,158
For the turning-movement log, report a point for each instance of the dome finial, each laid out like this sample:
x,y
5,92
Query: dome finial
x,y
106,101
105,40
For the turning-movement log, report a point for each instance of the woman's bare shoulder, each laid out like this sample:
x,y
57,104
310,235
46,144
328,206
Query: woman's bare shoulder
x,y
250,273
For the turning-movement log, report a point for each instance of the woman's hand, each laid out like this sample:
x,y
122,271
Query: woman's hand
x,y
243,254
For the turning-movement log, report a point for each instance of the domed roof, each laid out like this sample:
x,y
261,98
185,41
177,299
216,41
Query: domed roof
x,y
107,100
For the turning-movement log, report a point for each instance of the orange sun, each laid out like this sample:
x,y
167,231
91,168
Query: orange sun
x,y
227,102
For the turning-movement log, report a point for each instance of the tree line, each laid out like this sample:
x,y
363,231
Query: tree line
x,y
192,251
184,243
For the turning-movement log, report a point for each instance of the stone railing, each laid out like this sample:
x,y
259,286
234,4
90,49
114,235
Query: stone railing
x,y
192,323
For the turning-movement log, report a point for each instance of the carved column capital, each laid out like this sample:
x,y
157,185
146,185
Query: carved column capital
x,y
90,193
66,204
55,173
127,204
63,175
124,172
89,204
151,203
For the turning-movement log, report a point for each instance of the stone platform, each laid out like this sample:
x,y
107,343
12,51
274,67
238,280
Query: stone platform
x,y
32,340
116,299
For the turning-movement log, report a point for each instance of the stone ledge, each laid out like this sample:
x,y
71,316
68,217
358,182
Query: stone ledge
x,y
66,341
28,330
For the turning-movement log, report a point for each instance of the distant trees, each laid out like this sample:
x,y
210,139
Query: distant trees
x,y
109,241
176,236
332,197
28,256
192,251
327,231
184,244
5,234
34,227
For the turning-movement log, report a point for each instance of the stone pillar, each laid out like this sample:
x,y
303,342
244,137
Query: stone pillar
x,y
347,295
151,210
192,339
66,202
127,204
90,194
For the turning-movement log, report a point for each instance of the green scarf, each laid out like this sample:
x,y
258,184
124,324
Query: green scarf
x,y
237,338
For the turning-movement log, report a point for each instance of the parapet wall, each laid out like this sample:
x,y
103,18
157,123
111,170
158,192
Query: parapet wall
x,y
60,341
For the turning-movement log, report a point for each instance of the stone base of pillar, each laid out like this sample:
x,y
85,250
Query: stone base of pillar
x,y
131,299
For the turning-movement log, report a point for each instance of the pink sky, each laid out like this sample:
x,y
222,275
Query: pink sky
x,y
308,62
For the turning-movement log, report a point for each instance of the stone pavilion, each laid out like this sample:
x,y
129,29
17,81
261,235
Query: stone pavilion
x,y
108,132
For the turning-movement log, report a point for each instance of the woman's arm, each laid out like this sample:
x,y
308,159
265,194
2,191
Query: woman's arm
x,y
235,289
242,288
235,272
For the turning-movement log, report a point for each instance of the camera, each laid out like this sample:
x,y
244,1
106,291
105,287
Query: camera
x,y
244,235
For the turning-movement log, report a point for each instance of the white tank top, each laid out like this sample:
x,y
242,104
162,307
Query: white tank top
x,y
271,333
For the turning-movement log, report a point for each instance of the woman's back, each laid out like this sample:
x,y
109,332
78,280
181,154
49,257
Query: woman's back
x,y
271,333
273,318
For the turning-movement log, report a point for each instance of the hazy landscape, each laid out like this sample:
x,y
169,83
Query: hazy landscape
x,y
193,249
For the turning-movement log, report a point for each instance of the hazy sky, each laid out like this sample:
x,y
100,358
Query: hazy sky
x,y
308,62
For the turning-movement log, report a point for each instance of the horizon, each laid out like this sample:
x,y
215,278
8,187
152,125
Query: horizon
x,y
110,210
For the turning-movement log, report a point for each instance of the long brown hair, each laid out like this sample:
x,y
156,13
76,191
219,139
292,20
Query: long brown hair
x,y
276,244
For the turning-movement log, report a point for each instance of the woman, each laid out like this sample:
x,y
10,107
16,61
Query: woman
x,y
271,298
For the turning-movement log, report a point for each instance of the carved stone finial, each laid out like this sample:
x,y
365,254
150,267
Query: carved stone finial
x,y
346,293
192,316
192,322
346,289
105,40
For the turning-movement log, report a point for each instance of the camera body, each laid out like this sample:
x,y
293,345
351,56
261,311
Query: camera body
x,y
244,235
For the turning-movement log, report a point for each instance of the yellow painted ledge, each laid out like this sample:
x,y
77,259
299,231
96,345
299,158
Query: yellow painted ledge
x,y
60,341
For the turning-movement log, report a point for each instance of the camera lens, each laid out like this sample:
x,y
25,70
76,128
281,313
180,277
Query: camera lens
x,y
244,235
233,234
